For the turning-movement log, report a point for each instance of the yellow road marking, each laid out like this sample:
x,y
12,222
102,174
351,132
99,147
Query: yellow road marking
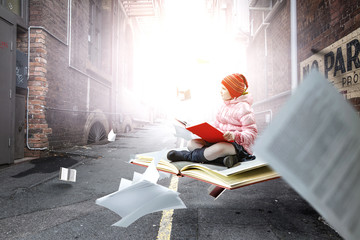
x,y
164,232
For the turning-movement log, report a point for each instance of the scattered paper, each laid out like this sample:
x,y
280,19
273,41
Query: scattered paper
x,y
313,143
67,174
182,132
156,156
124,183
111,136
139,199
141,196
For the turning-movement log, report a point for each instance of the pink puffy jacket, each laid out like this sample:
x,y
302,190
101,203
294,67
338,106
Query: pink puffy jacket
x,y
237,115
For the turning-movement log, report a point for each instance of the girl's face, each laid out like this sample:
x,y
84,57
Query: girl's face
x,y
225,93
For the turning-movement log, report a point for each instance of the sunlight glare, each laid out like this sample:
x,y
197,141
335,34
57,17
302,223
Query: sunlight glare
x,y
188,50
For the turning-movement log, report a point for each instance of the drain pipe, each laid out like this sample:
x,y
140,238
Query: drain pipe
x,y
293,30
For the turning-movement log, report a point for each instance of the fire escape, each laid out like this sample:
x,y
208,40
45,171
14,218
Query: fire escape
x,y
144,12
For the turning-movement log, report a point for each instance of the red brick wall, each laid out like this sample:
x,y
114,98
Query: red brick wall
x,y
38,87
321,23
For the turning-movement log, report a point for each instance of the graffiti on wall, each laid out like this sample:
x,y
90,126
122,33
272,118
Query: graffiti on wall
x,y
339,63
3,45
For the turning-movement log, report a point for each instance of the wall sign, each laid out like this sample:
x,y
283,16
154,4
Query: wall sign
x,y
339,63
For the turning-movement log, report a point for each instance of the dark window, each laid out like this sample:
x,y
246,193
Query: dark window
x,y
94,37
15,11
14,6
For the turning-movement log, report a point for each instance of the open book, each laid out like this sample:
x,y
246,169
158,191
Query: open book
x,y
245,173
205,131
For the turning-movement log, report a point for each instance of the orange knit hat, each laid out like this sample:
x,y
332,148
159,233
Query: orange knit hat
x,y
236,84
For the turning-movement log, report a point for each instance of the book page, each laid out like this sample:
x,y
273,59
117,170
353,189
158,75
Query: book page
x,y
313,143
160,157
72,175
141,196
243,166
166,165
139,199
235,180
185,165
63,174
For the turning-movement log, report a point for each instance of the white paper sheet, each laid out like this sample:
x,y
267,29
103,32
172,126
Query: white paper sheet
x,y
140,199
314,144
141,196
124,183
111,136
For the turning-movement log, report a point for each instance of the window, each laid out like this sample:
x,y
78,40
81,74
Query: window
x,y
14,6
94,37
15,11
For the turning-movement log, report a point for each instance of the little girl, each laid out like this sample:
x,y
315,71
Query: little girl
x,y
235,119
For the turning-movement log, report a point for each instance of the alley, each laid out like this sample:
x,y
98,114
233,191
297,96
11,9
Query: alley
x,y
35,204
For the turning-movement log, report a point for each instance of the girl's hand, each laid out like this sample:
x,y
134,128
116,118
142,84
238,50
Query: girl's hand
x,y
229,136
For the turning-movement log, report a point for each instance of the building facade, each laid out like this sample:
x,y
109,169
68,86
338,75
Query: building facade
x,y
70,64
327,39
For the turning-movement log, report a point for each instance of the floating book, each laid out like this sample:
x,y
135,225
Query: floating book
x,y
245,173
67,174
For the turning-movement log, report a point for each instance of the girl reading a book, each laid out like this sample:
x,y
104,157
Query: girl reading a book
x,y
235,119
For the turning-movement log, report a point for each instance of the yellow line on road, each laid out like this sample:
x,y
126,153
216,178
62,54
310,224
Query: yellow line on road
x,y
164,232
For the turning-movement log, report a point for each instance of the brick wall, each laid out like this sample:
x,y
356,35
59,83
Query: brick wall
x,y
38,87
65,99
320,24
327,26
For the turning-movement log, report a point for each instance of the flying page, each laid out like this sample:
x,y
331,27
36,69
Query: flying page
x,y
314,144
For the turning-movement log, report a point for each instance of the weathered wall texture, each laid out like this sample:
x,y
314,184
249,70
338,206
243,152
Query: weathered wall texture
x,y
328,38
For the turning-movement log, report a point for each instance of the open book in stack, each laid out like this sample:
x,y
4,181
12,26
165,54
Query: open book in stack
x,y
242,174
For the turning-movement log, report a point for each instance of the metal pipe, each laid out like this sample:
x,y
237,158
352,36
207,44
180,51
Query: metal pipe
x,y
27,125
293,29
265,111
280,95
265,24
269,16
78,111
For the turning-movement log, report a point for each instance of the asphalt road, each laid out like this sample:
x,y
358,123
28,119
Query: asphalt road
x,y
35,204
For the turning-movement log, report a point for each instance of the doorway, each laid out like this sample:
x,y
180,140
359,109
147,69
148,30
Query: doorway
x,y
7,91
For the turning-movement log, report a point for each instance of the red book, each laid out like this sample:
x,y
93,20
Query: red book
x,y
207,132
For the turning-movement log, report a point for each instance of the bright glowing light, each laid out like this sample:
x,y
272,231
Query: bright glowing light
x,y
188,50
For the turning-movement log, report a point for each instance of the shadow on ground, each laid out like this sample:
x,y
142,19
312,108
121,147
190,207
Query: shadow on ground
x,y
47,165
